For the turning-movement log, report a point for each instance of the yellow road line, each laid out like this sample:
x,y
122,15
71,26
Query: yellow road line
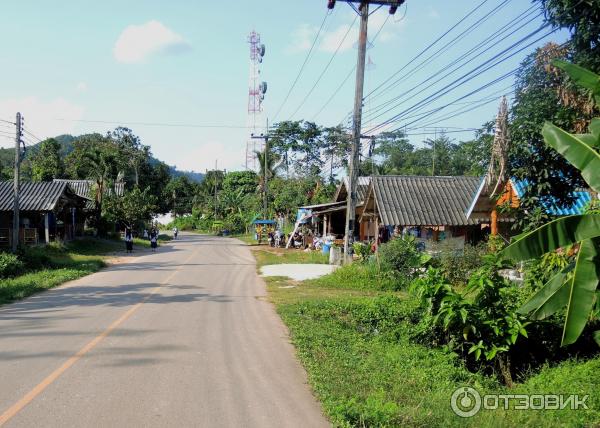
x,y
13,410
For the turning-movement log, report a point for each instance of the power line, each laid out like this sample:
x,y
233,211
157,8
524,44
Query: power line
x,y
429,46
350,72
475,72
490,39
303,65
326,68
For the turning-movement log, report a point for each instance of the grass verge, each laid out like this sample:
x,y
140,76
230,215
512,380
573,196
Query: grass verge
x,y
276,256
50,266
366,367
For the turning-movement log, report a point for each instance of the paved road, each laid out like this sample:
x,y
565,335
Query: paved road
x,y
183,337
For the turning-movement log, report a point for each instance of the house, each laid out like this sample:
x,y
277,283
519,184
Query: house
x,y
47,211
430,208
85,189
488,205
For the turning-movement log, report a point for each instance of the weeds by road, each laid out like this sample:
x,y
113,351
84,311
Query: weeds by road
x,y
366,363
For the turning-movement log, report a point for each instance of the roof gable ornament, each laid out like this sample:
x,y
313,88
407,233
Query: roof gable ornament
x,y
496,174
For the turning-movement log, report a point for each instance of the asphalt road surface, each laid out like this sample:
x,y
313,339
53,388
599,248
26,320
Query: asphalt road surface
x,y
183,337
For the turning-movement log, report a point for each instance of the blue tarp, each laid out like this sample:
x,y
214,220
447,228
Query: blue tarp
x,y
264,222
551,205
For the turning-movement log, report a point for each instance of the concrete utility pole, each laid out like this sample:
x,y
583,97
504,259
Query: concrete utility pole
x,y
363,9
265,168
17,184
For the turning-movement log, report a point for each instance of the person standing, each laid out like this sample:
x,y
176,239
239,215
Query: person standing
x,y
175,232
154,242
128,241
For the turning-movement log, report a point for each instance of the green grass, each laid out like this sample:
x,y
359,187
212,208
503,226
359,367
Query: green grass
x,y
274,257
61,263
357,345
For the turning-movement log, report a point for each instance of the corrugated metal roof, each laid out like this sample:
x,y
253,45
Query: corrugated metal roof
x,y
550,204
84,187
33,196
361,189
424,200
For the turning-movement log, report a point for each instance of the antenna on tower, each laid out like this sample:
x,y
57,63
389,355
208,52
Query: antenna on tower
x,y
256,95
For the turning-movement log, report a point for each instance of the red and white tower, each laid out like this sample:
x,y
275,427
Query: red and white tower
x,y
256,95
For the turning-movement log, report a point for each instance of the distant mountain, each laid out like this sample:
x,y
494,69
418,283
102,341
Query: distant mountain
x,y
66,142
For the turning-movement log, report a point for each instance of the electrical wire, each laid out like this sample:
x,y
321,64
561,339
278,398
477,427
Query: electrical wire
x,y
160,124
349,74
447,68
302,66
475,72
429,46
326,68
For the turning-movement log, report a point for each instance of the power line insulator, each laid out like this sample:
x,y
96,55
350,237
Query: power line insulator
x,y
330,4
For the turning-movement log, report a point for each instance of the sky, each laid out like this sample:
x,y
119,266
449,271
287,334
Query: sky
x,y
177,72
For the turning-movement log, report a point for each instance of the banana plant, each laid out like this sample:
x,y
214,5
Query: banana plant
x,y
575,287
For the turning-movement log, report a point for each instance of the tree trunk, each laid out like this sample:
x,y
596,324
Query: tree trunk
x,y
504,365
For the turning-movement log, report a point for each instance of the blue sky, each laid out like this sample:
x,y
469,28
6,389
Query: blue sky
x,y
184,62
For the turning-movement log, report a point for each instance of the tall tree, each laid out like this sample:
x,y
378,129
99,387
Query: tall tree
x,y
541,95
46,163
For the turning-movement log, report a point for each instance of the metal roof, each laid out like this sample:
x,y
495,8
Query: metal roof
x,y
325,205
551,205
424,200
41,196
361,189
84,187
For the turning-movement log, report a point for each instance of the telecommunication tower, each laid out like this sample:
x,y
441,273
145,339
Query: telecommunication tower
x,y
256,95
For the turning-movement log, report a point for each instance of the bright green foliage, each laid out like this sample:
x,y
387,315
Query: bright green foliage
x,y
400,260
575,286
133,209
362,250
46,163
10,265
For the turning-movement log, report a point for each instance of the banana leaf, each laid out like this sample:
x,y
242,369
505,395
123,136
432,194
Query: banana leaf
x,y
551,297
582,290
582,77
576,151
555,234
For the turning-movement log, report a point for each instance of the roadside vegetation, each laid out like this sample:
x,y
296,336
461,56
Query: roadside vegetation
x,y
380,353
35,269
279,256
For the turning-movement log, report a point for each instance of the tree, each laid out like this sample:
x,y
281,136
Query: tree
x,y
336,145
46,163
95,158
393,150
132,209
540,96
134,154
575,287
180,193
582,19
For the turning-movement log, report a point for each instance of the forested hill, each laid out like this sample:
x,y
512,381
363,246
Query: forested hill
x,y
66,143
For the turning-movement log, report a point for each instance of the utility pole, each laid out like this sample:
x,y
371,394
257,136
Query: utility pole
x,y
265,170
17,184
363,10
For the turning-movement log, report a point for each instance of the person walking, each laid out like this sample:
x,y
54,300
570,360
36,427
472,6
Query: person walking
x,y
128,241
154,242
175,232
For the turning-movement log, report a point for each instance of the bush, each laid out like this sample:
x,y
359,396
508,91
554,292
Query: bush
x,y
362,250
457,265
34,258
10,265
400,259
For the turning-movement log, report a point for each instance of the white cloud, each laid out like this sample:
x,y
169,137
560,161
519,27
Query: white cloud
x,y
40,117
433,13
332,39
81,87
137,42
302,39
203,155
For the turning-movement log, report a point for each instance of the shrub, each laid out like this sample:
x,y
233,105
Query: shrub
x,y
401,259
10,265
34,258
362,250
457,265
